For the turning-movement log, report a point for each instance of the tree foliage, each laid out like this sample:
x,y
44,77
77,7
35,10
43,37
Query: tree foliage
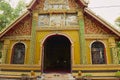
x,y
117,21
8,13
118,51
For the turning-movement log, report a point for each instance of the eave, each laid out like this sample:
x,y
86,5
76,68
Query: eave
x,y
29,7
102,21
82,3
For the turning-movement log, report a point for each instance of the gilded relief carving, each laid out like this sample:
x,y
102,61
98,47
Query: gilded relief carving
x,y
56,1
43,20
72,4
57,20
40,6
56,5
92,27
71,19
23,28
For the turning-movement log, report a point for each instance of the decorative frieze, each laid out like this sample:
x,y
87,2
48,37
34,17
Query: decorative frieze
x,y
99,36
17,37
48,5
58,20
51,28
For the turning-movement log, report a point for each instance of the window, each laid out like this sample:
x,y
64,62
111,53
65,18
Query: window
x,y
98,53
18,54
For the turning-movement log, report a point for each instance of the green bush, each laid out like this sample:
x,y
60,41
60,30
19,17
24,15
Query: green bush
x,y
117,74
88,75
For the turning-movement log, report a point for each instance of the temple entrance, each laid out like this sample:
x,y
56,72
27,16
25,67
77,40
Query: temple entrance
x,y
57,54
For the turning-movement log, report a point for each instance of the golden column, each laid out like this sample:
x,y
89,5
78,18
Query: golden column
x,y
33,38
5,51
113,50
82,38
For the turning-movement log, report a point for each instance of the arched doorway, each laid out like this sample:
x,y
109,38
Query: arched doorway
x,y
57,54
18,54
98,53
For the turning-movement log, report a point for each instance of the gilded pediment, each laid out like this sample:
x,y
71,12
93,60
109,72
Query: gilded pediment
x,y
92,27
20,29
48,5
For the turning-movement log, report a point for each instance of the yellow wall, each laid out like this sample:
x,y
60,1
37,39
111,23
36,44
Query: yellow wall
x,y
72,35
75,50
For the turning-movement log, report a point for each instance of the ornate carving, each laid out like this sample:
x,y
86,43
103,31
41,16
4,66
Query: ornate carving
x,y
40,6
58,20
56,1
72,4
56,5
43,20
22,28
92,27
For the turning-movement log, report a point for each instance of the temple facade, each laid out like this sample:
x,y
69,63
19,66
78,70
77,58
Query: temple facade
x,y
60,36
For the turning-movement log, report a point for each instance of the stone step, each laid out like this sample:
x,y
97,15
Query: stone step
x,y
57,76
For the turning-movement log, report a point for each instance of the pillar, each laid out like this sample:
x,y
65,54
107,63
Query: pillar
x,y
5,51
33,38
82,38
113,50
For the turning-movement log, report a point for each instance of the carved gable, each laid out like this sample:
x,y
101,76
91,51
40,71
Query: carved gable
x,y
47,5
22,28
92,27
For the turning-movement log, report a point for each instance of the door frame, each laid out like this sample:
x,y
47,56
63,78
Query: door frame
x,y
42,51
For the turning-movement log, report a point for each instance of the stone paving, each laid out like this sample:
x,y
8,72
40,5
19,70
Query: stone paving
x,y
57,76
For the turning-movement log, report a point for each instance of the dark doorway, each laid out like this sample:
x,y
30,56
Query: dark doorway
x,y
98,53
57,54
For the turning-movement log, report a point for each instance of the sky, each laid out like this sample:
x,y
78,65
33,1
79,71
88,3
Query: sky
x,y
109,10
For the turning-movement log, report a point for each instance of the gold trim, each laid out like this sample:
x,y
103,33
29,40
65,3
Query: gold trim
x,y
99,36
57,11
97,67
58,28
17,37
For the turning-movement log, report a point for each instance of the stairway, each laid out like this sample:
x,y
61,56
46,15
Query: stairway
x,y
57,76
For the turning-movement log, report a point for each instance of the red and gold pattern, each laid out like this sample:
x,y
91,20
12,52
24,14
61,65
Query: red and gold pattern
x,y
72,4
92,27
22,28
40,6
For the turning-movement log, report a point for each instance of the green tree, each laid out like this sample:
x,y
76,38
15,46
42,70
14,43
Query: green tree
x,y
20,8
117,21
8,13
118,49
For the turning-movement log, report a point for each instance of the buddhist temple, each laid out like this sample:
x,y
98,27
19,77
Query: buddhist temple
x,y
59,38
